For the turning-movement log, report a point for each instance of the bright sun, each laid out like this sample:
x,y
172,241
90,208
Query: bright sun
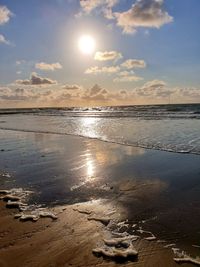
x,y
86,44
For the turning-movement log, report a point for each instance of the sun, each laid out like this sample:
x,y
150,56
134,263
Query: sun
x,y
86,44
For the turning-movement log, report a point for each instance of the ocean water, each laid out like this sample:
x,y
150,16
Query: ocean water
x,y
174,128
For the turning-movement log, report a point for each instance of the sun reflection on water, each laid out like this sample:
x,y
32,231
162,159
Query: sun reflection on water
x,y
90,168
89,126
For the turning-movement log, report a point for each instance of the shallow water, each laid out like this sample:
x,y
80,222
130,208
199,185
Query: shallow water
x,y
170,128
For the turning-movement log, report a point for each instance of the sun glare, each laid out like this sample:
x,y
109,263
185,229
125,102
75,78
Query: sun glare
x,y
86,44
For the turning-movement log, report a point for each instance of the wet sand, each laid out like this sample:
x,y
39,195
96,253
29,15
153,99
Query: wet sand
x,y
158,191
66,242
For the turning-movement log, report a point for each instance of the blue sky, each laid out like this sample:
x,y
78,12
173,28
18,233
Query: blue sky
x,y
163,34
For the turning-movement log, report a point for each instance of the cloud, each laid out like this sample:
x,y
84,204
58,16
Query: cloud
x,y
35,79
107,55
191,93
97,70
27,95
133,63
154,88
20,62
90,5
128,78
18,94
3,40
154,84
47,67
71,87
123,92
5,15
143,13
96,93
126,73
95,90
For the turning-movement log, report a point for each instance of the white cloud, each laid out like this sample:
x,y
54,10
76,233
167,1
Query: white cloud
x,y
128,78
97,70
126,73
133,63
143,13
107,55
154,84
47,66
89,5
154,88
5,15
35,79
3,40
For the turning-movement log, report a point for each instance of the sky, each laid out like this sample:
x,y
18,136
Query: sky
x,y
99,52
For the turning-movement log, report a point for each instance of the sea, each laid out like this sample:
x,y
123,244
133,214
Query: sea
x,y
173,128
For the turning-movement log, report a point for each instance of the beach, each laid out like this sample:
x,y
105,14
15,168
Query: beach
x,y
99,133
156,192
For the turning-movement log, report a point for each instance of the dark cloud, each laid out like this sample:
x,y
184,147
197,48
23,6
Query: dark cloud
x,y
96,93
35,79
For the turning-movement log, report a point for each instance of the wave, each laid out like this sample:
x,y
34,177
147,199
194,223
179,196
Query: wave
x,y
168,148
178,111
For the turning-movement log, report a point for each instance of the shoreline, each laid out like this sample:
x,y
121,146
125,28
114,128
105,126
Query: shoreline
x,y
100,140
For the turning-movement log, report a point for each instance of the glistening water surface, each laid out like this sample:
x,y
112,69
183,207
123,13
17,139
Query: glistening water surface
x,y
41,151
173,128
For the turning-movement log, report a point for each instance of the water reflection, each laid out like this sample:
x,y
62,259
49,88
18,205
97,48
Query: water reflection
x,y
59,164
90,168
89,127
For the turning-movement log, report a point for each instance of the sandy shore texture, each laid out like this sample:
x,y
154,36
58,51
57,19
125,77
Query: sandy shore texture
x,y
68,241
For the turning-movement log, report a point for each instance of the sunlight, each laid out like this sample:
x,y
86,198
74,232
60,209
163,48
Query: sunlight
x,y
86,44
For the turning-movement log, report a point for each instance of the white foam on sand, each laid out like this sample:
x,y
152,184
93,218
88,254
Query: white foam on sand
x,y
16,198
114,253
149,238
183,257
